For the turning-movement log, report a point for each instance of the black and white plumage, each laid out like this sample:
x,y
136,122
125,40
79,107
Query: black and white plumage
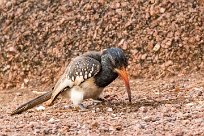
x,y
80,69
86,76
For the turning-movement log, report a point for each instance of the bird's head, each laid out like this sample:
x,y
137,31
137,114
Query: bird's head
x,y
115,59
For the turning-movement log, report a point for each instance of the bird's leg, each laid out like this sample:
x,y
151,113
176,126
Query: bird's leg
x,y
77,96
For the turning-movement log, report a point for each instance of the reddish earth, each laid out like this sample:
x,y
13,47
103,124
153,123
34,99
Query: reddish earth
x,y
38,38
162,38
170,106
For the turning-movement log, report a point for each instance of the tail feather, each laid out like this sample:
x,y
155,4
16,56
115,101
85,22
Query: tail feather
x,y
32,103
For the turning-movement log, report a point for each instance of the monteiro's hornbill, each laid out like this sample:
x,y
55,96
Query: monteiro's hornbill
x,y
85,77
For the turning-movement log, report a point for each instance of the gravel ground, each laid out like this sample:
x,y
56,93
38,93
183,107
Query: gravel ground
x,y
171,106
39,37
164,40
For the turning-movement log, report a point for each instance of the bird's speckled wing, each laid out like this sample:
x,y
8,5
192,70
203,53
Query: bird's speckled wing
x,y
79,69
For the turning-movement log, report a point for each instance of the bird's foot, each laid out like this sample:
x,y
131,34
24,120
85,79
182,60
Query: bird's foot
x,y
98,100
80,107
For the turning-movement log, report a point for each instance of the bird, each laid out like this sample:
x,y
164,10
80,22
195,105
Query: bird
x,y
85,77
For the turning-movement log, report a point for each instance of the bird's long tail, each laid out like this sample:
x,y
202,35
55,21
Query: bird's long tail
x,y
40,99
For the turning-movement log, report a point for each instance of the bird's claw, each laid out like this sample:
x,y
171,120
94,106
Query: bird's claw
x,y
81,107
99,100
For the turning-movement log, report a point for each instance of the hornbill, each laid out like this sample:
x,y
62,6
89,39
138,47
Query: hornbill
x,y
85,77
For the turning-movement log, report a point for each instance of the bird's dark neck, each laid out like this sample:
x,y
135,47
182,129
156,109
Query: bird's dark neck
x,y
105,76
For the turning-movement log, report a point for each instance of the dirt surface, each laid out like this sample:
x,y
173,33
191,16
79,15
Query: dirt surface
x,y
171,106
162,38
39,37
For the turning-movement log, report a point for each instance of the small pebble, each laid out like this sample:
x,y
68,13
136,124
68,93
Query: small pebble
x,y
109,109
40,108
52,120
162,10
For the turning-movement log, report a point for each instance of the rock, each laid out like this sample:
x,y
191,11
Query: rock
x,y
95,125
156,47
162,10
118,127
109,110
32,124
140,126
143,109
190,104
26,81
19,94
52,121
143,57
147,118
40,108
196,92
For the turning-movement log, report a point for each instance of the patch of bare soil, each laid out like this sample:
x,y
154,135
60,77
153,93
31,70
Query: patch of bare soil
x,y
39,37
162,38
170,106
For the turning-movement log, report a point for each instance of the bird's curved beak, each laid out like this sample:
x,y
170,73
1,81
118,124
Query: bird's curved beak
x,y
124,75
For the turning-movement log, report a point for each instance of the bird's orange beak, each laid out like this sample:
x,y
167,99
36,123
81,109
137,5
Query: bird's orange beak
x,y
124,75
